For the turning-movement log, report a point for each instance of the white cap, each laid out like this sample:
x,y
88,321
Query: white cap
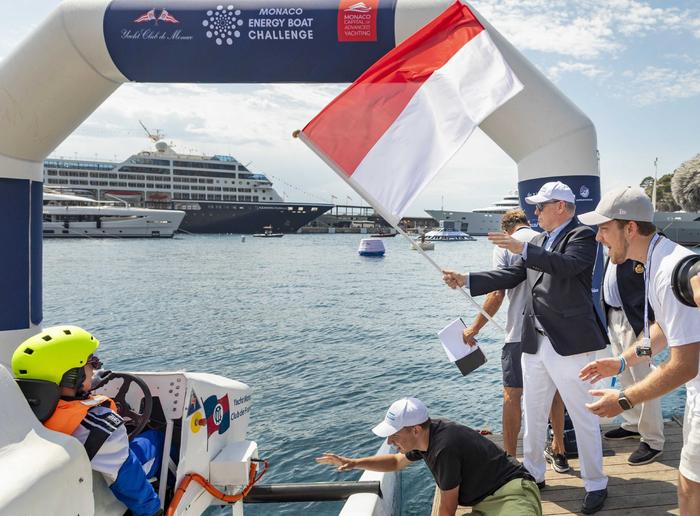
x,y
552,191
626,203
403,412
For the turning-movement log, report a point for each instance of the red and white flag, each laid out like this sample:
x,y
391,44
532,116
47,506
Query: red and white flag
x,y
147,16
396,126
167,17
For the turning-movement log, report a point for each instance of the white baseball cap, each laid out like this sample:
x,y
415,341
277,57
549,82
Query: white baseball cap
x,y
403,412
626,203
552,191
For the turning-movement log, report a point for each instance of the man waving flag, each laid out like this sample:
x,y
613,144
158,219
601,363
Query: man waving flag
x,y
395,127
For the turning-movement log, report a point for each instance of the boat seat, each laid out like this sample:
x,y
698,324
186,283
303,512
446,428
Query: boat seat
x,y
41,395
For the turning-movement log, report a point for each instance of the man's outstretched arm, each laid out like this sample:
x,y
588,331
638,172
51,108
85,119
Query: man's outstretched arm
x,y
382,463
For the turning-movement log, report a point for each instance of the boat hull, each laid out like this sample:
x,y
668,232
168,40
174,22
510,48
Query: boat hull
x,y
247,218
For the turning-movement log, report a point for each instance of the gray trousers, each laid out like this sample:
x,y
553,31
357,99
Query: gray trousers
x,y
646,417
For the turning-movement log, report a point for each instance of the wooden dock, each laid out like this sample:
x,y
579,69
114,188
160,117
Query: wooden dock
x,y
632,490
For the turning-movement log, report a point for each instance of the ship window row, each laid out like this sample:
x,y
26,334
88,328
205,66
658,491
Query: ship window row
x,y
206,164
203,173
72,173
80,165
150,161
145,170
192,180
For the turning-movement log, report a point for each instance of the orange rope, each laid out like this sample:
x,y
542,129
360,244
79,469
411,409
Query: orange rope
x,y
219,495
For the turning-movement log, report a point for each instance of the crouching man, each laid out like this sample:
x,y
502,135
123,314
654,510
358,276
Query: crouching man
x,y
468,468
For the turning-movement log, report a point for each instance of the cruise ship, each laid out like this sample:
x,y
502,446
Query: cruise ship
x,y
681,227
217,193
481,221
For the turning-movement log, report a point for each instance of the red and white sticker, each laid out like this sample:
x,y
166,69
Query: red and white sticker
x,y
357,21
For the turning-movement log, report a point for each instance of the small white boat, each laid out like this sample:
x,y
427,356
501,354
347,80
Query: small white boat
x,y
268,233
425,245
371,247
66,216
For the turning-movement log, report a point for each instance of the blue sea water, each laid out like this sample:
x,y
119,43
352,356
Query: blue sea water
x,y
327,339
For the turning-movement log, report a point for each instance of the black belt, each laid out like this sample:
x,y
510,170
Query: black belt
x,y
541,332
616,308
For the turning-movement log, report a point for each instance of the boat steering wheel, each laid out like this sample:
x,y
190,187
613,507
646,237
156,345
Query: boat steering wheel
x,y
134,421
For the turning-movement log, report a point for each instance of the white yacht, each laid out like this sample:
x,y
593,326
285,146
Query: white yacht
x,y
481,221
67,215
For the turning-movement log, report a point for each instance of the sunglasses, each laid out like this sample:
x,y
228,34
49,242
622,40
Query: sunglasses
x,y
94,361
540,205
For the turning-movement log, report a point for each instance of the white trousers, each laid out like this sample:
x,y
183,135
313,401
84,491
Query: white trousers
x,y
645,418
544,373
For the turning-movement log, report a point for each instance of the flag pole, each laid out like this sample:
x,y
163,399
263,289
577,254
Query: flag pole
x,y
391,220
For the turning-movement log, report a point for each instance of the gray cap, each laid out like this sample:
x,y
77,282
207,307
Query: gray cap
x,y
626,203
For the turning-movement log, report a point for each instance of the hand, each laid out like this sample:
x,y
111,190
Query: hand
x,y
607,405
468,336
695,285
505,241
343,463
453,279
599,369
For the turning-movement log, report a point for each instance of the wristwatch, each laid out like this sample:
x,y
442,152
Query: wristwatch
x,y
624,402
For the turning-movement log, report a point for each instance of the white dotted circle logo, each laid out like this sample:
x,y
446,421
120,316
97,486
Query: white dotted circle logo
x,y
222,23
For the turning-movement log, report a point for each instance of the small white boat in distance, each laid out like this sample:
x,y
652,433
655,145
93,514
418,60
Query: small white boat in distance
x,y
449,231
66,216
423,244
268,233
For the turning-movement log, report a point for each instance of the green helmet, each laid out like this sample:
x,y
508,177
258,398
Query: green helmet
x,y
52,353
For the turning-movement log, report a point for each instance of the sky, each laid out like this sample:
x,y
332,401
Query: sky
x,y
632,66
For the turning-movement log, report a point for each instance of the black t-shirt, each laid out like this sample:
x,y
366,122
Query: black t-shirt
x,y
460,456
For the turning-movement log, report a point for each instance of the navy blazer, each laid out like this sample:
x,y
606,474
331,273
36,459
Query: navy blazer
x,y
559,283
631,287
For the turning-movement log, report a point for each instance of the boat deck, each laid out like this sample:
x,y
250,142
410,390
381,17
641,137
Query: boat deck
x,y
632,490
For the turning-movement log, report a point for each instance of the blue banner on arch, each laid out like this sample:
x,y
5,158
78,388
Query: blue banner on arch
x,y
248,41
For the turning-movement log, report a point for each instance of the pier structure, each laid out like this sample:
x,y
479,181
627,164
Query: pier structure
x,y
650,489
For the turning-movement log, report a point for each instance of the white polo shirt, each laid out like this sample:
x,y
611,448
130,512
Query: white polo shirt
x,y
517,296
680,323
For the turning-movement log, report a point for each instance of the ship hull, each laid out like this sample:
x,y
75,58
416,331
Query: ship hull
x,y
247,218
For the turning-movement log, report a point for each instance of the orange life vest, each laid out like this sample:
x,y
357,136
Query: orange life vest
x,y
69,414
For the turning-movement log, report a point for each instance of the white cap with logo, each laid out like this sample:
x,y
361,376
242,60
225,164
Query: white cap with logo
x,y
403,412
552,191
626,203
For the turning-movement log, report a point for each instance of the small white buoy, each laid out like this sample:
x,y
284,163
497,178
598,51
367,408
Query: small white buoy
x,y
371,247
242,238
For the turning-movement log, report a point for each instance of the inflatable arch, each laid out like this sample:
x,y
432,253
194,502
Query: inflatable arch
x,y
87,48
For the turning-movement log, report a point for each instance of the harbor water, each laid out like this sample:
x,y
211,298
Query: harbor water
x,y
327,339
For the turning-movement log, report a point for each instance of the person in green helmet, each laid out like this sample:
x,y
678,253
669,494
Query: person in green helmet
x,y
65,355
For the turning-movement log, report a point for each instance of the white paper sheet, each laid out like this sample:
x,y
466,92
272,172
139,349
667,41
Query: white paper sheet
x,y
452,342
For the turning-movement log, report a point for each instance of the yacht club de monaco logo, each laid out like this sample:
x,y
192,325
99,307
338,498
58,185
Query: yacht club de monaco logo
x,y
156,24
584,191
149,16
357,21
214,413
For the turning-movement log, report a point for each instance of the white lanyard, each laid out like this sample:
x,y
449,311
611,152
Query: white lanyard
x,y
646,343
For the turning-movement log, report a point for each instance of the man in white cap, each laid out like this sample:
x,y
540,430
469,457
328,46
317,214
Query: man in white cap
x,y
561,330
624,217
468,468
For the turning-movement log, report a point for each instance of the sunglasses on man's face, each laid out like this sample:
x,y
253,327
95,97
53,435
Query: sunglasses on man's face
x,y
94,362
540,205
